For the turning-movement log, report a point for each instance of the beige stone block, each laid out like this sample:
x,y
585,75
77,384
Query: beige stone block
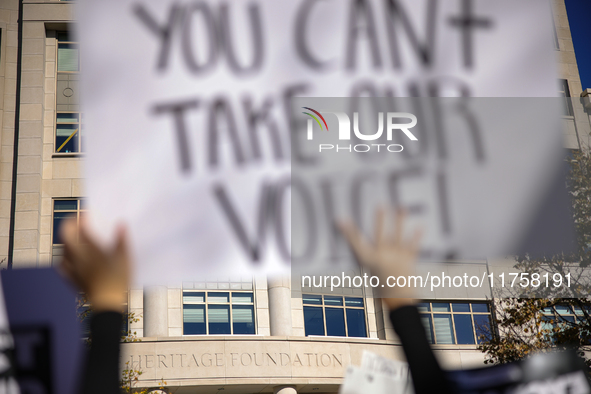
x,y
175,331
33,29
48,135
4,227
45,260
12,38
30,129
66,168
25,239
49,102
7,137
32,95
48,150
136,298
49,118
263,318
4,15
5,171
33,46
45,225
60,11
31,112
47,170
49,85
26,220
78,189
46,206
29,165
32,79
5,208
175,317
27,201
174,300
45,245
297,319
10,86
25,258
30,147
32,63
11,53
3,247
50,50
56,188
5,190
49,69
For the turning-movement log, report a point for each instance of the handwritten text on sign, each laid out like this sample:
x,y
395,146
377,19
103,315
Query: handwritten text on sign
x,y
189,106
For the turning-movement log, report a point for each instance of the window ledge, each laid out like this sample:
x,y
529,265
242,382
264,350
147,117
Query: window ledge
x,y
72,154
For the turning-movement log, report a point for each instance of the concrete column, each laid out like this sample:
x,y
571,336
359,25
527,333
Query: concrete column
x,y
279,306
284,390
156,311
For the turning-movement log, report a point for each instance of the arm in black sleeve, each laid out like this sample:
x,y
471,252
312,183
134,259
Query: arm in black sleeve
x,y
427,375
102,367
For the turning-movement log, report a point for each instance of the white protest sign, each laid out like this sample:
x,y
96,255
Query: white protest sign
x,y
187,105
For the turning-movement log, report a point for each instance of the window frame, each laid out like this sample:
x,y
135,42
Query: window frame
x,y
206,304
565,94
67,42
344,307
78,131
451,312
78,212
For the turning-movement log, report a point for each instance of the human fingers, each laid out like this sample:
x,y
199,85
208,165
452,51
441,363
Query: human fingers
x,y
379,227
399,226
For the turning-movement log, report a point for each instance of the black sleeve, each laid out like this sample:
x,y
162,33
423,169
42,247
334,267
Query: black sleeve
x,y
102,366
427,375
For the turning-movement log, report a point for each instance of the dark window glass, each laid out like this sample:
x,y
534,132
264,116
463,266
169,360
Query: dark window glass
x,y
215,297
565,93
243,319
440,307
424,307
313,320
356,323
335,322
68,58
57,220
312,299
218,317
191,296
65,205
464,330
333,301
443,329
461,307
194,320
480,308
357,302
482,326
428,324
66,138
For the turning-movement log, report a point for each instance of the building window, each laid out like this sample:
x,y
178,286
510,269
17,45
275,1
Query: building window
x,y
68,53
562,317
461,323
564,92
68,120
63,209
68,132
218,313
338,316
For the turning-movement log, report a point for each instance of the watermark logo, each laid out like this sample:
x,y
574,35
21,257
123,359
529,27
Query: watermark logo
x,y
344,133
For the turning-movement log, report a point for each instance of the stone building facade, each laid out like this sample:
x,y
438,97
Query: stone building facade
x,y
267,336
